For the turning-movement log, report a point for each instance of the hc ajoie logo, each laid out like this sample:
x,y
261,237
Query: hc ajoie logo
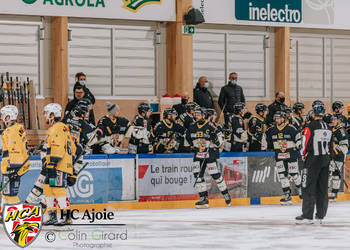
x,y
22,222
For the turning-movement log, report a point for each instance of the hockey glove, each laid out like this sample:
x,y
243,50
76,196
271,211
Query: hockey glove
x,y
52,174
71,180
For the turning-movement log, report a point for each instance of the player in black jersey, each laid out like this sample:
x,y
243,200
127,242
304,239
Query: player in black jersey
x,y
203,138
238,137
257,129
140,131
338,109
297,117
167,133
285,140
111,131
340,143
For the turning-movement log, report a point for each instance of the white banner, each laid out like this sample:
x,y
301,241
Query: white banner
x,y
327,14
172,178
154,10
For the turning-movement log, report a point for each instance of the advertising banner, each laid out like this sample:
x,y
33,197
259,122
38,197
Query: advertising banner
x,y
327,14
157,10
171,177
103,180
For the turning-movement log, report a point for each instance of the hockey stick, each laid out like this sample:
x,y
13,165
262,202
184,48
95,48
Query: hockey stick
x,y
21,168
8,88
28,102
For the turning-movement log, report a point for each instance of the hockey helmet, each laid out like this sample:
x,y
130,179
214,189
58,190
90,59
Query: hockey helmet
x,y
260,107
319,110
279,114
298,106
337,105
200,110
309,115
211,112
53,108
317,102
144,108
238,107
168,112
191,106
9,110
287,110
328,118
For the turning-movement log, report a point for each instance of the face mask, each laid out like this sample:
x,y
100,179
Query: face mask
x,y
206,85
282,99
82,83
234,82
184,101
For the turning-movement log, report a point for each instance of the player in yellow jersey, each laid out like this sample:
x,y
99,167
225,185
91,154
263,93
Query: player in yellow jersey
x,y
14,155
58,163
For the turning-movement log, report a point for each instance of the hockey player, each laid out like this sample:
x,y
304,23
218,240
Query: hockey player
x,y
202,137
257,129
140,131
167,133
297,117
316,146
112,129
59,164
340,142
285,140
239,137
338,109
186,119
14,154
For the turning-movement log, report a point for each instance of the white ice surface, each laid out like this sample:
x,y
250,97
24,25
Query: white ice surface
x,y
242,227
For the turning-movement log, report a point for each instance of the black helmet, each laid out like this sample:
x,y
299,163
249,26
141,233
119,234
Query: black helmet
x,y
328,118
238,107
317,102
287,110
309,115
144,108
279,114
191,106
298,106
337,105
319,110
168,112
260,108
200,110
211,112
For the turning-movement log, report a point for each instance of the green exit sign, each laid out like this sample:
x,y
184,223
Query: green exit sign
x,y
188,29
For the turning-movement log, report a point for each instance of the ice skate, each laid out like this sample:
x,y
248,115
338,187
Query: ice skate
x,y
286,200
66,219
302,220
319,220
203,203
227,199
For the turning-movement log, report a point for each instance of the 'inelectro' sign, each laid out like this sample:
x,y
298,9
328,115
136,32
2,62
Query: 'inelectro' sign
x,y
282,11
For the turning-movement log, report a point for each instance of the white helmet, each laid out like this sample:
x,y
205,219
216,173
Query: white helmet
x,y
10,111
54,108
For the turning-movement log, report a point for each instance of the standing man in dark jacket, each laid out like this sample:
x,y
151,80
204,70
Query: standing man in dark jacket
x,y
230,95
277,105
201,94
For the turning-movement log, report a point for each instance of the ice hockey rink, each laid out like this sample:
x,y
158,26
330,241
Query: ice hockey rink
x,y
238,227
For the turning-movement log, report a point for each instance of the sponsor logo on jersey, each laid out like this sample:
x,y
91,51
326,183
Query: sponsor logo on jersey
x,y
22,223
136,5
